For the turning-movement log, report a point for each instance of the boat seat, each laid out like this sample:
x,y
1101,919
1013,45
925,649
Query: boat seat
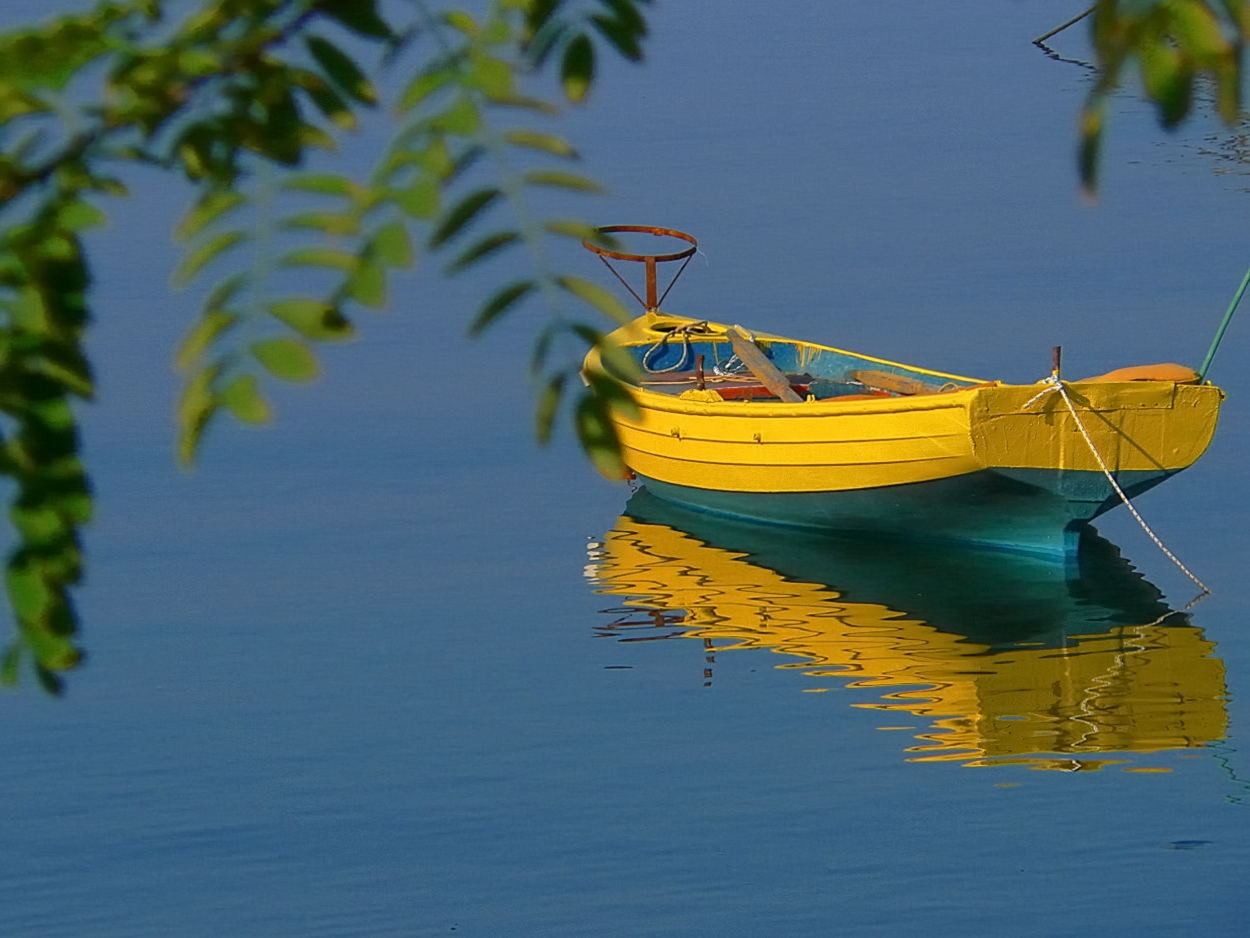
x,y
728,387
1167,371
899,384
712,377
726,391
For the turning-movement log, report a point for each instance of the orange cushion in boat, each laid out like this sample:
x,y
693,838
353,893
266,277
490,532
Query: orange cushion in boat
x,y
1162,372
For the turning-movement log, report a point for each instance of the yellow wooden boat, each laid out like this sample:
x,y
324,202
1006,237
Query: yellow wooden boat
x,y
758,426
987,657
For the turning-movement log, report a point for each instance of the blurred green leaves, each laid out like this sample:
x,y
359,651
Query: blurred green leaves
x,y
1174,45
235,96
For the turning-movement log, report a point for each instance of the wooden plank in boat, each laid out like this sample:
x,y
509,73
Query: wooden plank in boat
x,y
736,390
769,374
896,383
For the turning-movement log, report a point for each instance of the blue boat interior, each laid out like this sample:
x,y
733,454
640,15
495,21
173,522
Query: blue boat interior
x,y
670,365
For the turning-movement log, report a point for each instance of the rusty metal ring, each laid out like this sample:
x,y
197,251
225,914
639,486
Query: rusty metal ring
x,y
644,229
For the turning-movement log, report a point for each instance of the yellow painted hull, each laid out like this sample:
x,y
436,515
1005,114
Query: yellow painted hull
x,y
742,453
835,446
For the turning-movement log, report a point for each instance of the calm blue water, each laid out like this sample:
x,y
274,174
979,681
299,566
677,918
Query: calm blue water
x,y
350,677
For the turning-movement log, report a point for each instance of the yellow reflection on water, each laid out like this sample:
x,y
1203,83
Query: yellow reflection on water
x,y
1008,659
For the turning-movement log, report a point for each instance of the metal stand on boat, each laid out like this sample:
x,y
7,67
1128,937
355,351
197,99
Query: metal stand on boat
x,y
651,303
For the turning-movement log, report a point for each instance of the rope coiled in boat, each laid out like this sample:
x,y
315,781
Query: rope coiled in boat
x,y
697,328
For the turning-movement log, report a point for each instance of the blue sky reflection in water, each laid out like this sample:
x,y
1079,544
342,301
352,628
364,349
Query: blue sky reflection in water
x,y
350,677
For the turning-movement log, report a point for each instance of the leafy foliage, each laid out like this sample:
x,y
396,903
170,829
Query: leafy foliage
x,y
235,97
1175,44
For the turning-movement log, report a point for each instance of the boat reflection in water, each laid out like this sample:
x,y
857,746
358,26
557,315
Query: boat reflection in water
x,y
1008,658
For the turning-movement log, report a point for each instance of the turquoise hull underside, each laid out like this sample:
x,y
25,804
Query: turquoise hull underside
x,y
1039,511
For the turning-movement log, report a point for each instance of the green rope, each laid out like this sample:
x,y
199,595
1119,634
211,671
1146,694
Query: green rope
x,y
1219,334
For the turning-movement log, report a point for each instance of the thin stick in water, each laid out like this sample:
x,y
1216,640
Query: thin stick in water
x,y
1058,29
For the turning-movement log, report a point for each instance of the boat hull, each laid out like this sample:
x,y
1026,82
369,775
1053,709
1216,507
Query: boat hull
x,y
978,461
1032,511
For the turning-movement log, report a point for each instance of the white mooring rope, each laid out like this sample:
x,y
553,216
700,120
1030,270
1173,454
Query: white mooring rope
x,y
1056,384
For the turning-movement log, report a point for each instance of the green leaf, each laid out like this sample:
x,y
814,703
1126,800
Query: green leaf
x,y
615,357
199,63
435,158
548,405
597,297
194,262
65,365
51,54
360,16
243,398
288,359
498,304
464,160
28,592
544,177
628,14
545,29
77,215
329,223
528,103
462,118
598,436
498,30
1091,141
310,136
459,20
323,185
1168,82
623,36
196,408
1198,32
578,230
227,290
421,200
328,101
542,347
462,214
368,285
482,249
423,86
613,391
110,186
38,524
48,637
320,257
546,143
278,131
206,210
8,667
492,76
315,319
577,70
211,325
392,246
342,70
46,665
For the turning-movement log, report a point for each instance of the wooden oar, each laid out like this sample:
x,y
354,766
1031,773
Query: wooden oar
x,y
768,374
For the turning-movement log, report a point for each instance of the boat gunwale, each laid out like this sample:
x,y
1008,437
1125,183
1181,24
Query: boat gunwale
x,y
669,403
948,399
954,399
